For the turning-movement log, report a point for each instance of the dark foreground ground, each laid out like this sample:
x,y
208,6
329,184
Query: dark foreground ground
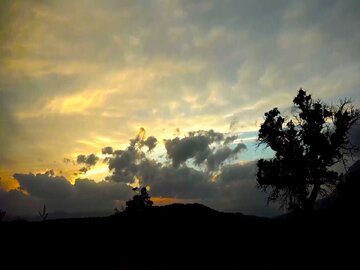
x,y
183,237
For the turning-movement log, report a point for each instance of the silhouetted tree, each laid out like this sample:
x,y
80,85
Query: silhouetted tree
x,y
43,214
118,211
2,215
346,193
140,201
305,146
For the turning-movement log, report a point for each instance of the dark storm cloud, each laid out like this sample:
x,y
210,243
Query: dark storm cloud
x,y
238,148
45,185
214,160
167,181
132,162
107,150
124,164
60,195
230,139
140,140
89,160
195,145
139,137
232,188
212,135
179,150
237,191
182,182
236,172
150,142
15,202
84,169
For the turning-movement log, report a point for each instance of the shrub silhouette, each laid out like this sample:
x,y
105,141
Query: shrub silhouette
x,y
140,201
305,148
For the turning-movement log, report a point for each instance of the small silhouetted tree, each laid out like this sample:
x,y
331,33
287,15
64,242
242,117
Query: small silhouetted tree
x,y
43,214
306,146
140,201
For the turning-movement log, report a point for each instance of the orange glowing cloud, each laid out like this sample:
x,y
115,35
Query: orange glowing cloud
x,y
7,182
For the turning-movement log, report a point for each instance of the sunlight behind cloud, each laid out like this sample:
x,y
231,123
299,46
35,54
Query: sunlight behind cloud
x,y
75,78
78,103
97,173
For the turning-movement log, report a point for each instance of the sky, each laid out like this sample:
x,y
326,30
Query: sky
x,y
79,76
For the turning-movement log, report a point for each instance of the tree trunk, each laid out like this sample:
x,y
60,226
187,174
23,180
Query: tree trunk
x,y
311,200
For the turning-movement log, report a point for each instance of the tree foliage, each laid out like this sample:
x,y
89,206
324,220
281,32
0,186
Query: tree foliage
x,y
140,201
2,215
306,146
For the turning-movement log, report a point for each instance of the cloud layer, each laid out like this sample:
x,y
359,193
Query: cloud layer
x,y
77,77
161,64
208,179
59,195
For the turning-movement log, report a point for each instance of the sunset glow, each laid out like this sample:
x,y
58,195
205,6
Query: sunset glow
x,y
77,77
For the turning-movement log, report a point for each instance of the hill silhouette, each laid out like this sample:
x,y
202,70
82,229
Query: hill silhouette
x,y
194,236
188,236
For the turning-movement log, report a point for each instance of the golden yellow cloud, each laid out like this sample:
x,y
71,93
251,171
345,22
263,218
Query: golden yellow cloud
x,y
79,102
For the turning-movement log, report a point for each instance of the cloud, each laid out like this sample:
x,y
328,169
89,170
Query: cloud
x,y
46,186
15,202
214,160
139,137
230,139
131,163
239,147
124,164
140,140
84,169
185,64
195,145
85,196
188,182
77,103
237,191
179,150
181,182
89,160
107,150
236,172
150,142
